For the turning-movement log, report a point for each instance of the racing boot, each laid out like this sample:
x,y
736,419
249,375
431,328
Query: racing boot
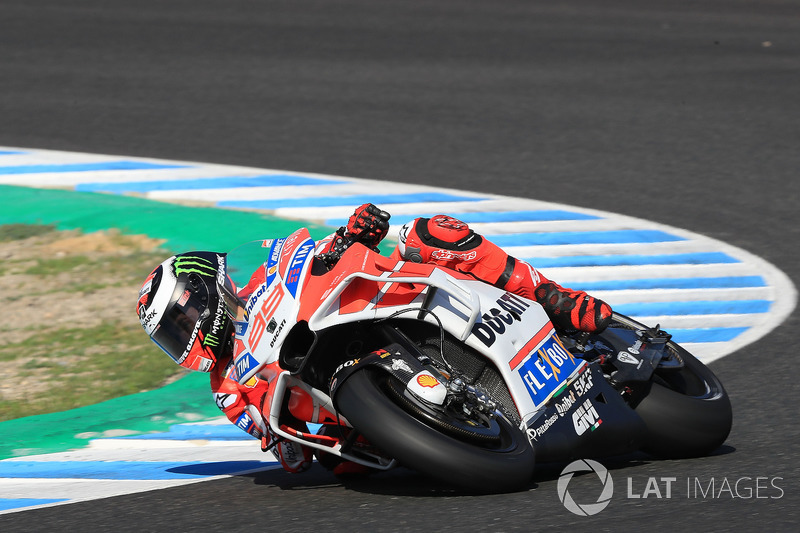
x,y
449,242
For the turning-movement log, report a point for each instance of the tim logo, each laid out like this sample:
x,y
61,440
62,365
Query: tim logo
x,y
245,363
245,422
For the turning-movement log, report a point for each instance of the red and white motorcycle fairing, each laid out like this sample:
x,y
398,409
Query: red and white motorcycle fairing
x,y
282,293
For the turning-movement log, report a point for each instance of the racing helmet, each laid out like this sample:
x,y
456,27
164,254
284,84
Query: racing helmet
x,y
181,310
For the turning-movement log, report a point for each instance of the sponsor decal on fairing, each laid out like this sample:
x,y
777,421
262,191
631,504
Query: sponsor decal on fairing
x,y
495,322
535,432
399,364
547,369
426,386
245,363
628,359
585,418
296,265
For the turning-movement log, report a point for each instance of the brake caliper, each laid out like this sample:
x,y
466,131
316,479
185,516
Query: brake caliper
x,y
469,399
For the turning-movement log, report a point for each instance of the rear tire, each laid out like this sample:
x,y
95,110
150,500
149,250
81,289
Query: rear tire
x,y
504,465
686,410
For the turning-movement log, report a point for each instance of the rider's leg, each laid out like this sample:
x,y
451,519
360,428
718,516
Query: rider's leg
x,y
449,242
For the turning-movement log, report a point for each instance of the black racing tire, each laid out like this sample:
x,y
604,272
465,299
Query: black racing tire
x,y
687,411
367,403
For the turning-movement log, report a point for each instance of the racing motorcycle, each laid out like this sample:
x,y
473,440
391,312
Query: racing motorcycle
x,y
412,364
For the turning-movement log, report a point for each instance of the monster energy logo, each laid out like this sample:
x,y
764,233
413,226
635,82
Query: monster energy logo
x,y
192,264
211,339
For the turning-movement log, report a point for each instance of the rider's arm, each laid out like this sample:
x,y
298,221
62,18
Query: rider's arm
x,y
242,405
239,402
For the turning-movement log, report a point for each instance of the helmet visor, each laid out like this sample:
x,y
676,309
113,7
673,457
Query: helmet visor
x,y
181,324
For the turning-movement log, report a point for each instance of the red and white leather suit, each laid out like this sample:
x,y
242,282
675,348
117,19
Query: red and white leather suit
x,y
441,240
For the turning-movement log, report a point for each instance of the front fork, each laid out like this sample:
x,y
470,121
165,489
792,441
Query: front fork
x,y
314,406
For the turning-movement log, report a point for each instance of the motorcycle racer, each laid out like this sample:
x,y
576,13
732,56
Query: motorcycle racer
x,y
449,242
181,310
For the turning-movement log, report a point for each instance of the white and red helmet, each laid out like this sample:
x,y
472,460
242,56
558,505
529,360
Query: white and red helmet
x,y
180,308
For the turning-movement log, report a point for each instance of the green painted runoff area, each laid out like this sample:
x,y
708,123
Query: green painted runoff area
x,y
184,228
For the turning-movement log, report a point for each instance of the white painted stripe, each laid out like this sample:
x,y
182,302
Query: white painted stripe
x,y
600,273
492,203
679,295
668,322
274,193
80,490
122,450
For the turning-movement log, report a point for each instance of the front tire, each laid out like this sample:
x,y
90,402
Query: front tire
x,y
502,464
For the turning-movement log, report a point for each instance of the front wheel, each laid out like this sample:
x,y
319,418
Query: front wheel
x,y
472,453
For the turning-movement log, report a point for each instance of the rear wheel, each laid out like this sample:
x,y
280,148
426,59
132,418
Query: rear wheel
x,y
686,409
470,451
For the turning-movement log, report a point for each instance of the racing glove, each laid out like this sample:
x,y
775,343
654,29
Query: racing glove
x,y
367,225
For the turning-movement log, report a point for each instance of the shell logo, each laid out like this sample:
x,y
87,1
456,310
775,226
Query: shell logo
x,y
426,380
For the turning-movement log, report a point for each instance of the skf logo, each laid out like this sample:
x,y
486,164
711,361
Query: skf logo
x,y
426,380
585,418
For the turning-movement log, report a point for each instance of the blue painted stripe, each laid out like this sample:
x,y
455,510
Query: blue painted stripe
x,y
725,282
86,167
126,470
331,201
705,334
488,217
699,258
722,307
11,152
222,432
266,180
226,432
16,503
583,237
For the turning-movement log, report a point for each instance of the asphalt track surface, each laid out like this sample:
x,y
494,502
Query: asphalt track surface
x,y
679,112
